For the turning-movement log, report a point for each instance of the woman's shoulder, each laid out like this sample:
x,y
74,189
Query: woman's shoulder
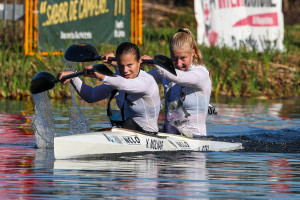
x,y
147,78
144,74
200,68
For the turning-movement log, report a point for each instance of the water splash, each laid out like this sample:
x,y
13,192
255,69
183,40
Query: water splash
x,y
78,123
69,64
263,140
43,121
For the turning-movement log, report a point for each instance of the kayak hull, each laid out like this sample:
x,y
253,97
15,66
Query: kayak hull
x,y
111,141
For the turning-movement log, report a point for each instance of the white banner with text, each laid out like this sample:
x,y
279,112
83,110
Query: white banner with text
x,y
240,23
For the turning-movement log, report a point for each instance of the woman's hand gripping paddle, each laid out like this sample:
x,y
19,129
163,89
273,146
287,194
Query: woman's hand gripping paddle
x,y
44,81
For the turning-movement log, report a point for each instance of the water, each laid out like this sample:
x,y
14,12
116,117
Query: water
x,y
268,167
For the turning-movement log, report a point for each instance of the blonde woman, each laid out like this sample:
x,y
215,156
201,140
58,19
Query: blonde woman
x,y
187,95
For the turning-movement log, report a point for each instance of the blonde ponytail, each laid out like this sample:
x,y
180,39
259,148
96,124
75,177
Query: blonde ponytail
x,y
183,39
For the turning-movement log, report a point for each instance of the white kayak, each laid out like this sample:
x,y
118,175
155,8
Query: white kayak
x,y
112,141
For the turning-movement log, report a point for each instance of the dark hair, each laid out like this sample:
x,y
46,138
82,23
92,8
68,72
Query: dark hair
x,y
128,47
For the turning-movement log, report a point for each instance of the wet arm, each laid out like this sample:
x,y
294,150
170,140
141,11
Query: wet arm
x,y
195,78
91,94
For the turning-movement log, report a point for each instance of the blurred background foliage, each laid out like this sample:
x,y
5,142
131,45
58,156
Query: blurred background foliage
x,y
238,73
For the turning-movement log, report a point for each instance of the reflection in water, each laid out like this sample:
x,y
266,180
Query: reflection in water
x,y
267,175
16,171
260,115
29,173
16,156
149,176
279,176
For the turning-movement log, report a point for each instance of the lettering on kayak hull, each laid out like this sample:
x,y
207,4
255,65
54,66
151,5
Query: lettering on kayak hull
x,y
154,144
203,148
113,139
183,144
132,140
173,144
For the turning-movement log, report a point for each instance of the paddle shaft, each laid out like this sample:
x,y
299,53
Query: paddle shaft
x,y
160,60
75,74
150,61
79,73
103,58
84,52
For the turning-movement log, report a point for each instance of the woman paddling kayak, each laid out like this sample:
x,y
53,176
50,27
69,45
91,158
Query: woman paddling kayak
x,y
187,95
136,92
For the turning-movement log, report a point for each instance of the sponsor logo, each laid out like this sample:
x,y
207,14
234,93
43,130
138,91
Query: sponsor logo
x,y
211,110
76,35
154,144
183,144
113,139
247,3
132,140
173,144
210,33
119,31
120,7
259,3
203,148
64,12
266,19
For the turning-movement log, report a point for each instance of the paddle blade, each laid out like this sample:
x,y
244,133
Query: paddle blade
x,y
103,69
165,63
42,82
81,52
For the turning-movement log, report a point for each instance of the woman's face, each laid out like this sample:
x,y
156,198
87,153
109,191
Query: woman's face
x,y
182,60
128,66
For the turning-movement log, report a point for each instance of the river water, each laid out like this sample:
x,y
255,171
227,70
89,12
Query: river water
x,y
268,167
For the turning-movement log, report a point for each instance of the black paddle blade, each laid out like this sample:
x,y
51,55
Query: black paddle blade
x,y
42,82
165,63
103,69
81,52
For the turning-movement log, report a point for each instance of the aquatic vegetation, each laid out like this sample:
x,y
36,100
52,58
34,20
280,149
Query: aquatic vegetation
x,y
251,74
239,73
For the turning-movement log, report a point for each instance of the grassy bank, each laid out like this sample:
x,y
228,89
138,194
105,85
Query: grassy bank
x,y
239,73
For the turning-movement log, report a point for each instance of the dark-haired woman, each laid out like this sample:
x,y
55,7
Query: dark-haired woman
x,y
136,91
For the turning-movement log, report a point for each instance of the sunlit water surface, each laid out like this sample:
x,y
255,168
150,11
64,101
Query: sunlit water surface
x,y
268,167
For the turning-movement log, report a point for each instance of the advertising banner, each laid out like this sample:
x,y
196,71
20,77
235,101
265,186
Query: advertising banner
x,y
240,23
61,23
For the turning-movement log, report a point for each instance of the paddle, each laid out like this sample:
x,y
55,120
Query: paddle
x,y
83,52
162,61
44,81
